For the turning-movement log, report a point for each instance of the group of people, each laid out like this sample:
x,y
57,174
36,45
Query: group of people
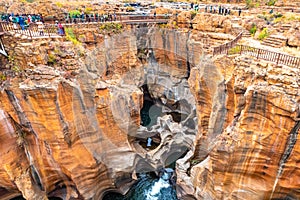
x,y
80,18
24,20
220,10
217,9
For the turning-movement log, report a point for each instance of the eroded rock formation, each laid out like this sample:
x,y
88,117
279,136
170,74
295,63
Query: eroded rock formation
x,y
77,123
71,125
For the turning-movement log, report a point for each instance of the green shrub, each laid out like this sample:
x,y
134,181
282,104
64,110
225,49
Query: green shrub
x,y
193,14
249,4
264,17
253,29
59,4
74,13
163,26
51,59
111,27
27,1
271,2
277,15
88,10
70,36
2,77
130,9
263,34
195,162
234,50
16,68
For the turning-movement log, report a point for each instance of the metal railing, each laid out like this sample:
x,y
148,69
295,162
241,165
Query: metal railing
x,y
50,30
32,31
223,48
117,18
278,58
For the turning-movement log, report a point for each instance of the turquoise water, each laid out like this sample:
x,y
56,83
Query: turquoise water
x,y
148,188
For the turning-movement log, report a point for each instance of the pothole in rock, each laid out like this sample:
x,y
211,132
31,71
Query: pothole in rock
x,y
150,110
162,116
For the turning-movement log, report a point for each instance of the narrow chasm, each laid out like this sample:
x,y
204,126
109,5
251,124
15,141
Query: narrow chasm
x,y
168,119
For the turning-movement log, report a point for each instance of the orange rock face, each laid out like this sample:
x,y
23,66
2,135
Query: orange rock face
x,y
254,155
73,126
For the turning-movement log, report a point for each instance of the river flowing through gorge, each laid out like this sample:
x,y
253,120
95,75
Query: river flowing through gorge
x,y
150,187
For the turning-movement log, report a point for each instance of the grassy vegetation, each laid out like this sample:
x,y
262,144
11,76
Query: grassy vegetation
x,y
2,77
130,9
88,10
234,50
253,29
279,18
51,59
70,36
16,68
27,1
59,4
111,28
250,4
74,13
193,14
263,34
14,65
163,26
271,2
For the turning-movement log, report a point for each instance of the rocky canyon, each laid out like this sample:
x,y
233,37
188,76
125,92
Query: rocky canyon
x,y
83,119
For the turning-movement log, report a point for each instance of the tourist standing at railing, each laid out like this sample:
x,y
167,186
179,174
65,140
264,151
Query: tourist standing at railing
x,y
22,22
82,16
40,27
61,30
29,19
87,17
97,17
115,16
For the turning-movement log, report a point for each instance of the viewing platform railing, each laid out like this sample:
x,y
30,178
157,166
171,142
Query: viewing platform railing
x,y
50,30
33,31
278,58
117,18
223,48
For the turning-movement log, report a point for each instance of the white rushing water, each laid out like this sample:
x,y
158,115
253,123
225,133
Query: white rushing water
x,y
154,191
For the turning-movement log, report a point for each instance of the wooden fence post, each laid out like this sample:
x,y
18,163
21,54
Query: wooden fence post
x,y
278,57
30,34
258,53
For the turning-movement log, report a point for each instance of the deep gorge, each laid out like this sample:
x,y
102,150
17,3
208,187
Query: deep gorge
x,y
80,127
